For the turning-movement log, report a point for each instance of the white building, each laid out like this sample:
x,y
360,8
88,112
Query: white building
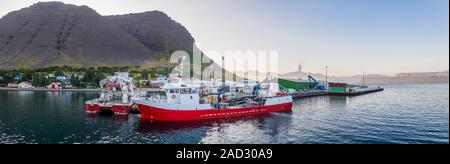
x,y
25,85
61,78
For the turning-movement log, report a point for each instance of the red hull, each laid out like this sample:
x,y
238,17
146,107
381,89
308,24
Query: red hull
x,y
117,108
157,114
92,108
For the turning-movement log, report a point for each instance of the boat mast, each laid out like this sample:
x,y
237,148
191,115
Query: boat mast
x,y
223,71
222,88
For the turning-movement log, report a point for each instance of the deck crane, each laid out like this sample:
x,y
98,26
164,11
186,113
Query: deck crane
x,y
314,84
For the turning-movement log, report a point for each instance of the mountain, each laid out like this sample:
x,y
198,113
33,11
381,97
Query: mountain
x,y
155,30
55,34
411,78
445,73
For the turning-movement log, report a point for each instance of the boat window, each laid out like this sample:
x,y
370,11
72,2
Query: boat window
x,y
172,91
177,91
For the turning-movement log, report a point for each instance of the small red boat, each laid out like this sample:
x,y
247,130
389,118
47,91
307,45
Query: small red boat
x,y
116,97
116,108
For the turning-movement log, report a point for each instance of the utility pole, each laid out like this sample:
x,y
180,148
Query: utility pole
x,y
300,67
363,79
326,75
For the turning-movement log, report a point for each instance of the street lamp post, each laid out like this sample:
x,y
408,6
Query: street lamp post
x,y
326,75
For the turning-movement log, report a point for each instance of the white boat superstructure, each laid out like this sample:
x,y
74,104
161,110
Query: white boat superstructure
x,y
117,95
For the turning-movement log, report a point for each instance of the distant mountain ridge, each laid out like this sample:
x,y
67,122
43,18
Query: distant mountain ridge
x,y
400,78
55,34
444,73
411,78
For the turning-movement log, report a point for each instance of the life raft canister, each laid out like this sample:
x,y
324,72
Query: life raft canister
x,y
281,93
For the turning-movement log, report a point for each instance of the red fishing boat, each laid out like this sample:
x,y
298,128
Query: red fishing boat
x,y
182,102
118,90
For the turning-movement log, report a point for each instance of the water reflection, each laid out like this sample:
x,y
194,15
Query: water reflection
x,y
24,93
92,117
337,101
225,130
412,114
279,124
254,129
146,126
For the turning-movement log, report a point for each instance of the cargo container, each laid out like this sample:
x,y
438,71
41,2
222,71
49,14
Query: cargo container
x,y
342,85
338,89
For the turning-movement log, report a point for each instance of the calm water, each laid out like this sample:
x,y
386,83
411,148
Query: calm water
x,y
400,114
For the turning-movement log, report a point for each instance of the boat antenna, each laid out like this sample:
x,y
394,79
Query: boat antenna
x,y
223,70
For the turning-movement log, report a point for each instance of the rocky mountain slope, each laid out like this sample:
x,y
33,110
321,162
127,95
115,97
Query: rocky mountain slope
x,y
155,30
55,34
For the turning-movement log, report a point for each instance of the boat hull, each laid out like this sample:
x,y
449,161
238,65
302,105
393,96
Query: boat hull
x,y
92,108
120,109
167,115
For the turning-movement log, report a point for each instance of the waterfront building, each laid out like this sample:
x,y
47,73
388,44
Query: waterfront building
x,y
25,85
55,85
12,84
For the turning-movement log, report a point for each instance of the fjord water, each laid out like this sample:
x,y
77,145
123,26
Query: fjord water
x,y
400,114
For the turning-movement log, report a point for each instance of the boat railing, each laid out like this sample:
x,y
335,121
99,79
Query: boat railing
x,y
158,100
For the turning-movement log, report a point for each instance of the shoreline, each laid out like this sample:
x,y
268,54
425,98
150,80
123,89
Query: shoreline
x,y
46,89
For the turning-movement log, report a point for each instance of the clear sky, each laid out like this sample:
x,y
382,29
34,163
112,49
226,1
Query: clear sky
x,y
350,36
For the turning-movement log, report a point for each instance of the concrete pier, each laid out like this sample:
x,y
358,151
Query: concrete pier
x,y
310,93
357,92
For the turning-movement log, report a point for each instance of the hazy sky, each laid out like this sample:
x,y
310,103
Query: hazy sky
x,y
350,36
